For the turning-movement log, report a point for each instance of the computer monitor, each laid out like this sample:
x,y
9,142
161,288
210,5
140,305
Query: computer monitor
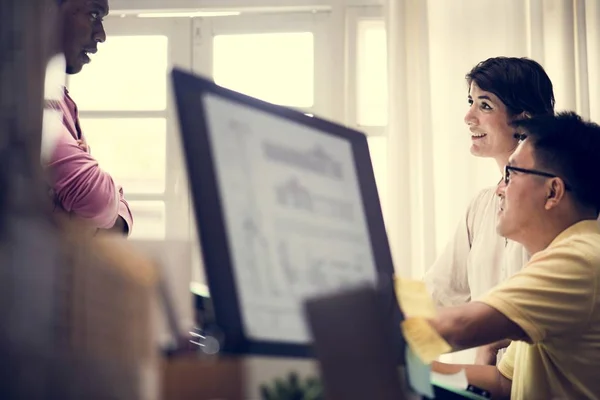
x,y
287,208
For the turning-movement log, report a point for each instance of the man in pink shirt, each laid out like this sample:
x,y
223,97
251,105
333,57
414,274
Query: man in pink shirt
x,y
78,184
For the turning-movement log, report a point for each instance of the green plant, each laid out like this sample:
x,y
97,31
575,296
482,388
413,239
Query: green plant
x,y
293,388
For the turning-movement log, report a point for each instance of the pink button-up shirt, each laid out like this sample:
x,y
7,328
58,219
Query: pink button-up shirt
x,y
78,183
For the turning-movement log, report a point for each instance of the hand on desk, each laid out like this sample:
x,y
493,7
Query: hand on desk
x,y
487,355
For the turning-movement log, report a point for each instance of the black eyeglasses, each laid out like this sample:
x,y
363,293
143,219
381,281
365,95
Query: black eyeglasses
x,y
508,168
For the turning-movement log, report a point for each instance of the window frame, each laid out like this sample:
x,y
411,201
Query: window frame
x,y
355,15
205,29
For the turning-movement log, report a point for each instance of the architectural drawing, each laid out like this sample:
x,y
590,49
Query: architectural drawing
x,y
255,260
315,159
294,195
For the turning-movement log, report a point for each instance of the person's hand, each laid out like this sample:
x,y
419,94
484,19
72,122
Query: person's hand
x,y
83,145
487,355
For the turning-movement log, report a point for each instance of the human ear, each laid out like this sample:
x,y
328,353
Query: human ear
x,y
555,193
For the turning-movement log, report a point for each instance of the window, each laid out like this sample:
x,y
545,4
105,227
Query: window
x,y
367,85
149,219
366,80
371,74
277,67
128,74
270,56
378,150
132,150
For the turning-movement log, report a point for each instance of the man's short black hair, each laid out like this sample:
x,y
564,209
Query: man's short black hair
x,y
569,147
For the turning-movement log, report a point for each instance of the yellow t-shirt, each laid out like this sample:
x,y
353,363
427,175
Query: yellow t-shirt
x,y
555,300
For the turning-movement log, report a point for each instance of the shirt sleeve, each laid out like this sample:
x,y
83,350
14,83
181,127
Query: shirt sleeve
x,y
81,186
447,278
552,295
507,364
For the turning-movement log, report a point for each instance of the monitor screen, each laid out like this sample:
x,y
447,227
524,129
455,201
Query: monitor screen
x,y
293,212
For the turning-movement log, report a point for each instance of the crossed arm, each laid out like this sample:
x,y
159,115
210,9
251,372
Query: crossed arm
x,y
82,188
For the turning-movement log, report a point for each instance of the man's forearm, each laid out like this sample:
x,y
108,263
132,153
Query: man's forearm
x,y
80,186
474,324
485,377
454,326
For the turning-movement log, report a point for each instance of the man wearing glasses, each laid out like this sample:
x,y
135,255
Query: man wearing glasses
x,y
549,202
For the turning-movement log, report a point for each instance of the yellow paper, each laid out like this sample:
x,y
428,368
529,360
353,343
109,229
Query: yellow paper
x,y
423,340
414,298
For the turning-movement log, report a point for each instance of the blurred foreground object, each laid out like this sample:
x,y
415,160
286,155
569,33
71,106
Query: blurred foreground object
x,y
75,311
293,388
78,322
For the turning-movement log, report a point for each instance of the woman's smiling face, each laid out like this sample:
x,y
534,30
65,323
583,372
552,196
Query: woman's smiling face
x,y
489,122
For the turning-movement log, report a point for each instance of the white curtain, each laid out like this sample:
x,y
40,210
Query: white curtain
x,y
432,44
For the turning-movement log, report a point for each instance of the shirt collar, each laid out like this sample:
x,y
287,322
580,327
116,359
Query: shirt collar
x,y
578,228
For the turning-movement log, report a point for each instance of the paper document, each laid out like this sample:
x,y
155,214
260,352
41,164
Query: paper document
x,y
457,381
414,298
419,374
294,216
423,340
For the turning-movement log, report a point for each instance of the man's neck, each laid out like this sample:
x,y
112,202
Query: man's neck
x,y
541,239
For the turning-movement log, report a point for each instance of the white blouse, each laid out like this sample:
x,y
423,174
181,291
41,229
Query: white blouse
x,y
475,260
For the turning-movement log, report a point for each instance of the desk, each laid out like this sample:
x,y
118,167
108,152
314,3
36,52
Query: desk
x,y
187,377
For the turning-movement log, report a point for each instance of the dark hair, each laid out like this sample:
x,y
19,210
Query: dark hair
x,y
520,83
569,147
